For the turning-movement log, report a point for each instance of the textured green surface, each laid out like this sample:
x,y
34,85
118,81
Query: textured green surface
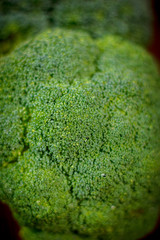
x,y
80,136
130,19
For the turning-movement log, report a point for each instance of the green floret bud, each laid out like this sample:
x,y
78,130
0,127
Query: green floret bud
x,y
79,137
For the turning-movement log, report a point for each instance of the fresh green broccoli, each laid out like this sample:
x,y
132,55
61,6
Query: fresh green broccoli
x,y
79,136
128,18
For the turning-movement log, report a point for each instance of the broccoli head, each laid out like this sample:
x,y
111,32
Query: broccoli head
x,y
79,136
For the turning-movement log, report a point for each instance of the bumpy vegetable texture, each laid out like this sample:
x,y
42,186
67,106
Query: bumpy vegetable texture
x,y
128,18
79,136
22,18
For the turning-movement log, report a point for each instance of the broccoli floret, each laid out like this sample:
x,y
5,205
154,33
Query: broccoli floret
x,y
79,136
128,18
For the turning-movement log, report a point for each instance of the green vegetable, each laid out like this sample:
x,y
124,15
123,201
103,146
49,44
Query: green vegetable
x,y
128,18
79,136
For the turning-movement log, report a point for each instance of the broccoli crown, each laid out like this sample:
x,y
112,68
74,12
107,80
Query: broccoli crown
x,y
128,18
79,146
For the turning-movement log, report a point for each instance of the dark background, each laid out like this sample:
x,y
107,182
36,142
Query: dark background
x,y
154,46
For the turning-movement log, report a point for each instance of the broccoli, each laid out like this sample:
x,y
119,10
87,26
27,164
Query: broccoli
x,y
79,136
128,18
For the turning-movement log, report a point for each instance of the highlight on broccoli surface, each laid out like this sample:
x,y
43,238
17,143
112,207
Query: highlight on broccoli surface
x,y
23,18
79,127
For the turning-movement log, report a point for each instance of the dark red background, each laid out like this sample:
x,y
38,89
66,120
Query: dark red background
x,y
154,46
9,229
